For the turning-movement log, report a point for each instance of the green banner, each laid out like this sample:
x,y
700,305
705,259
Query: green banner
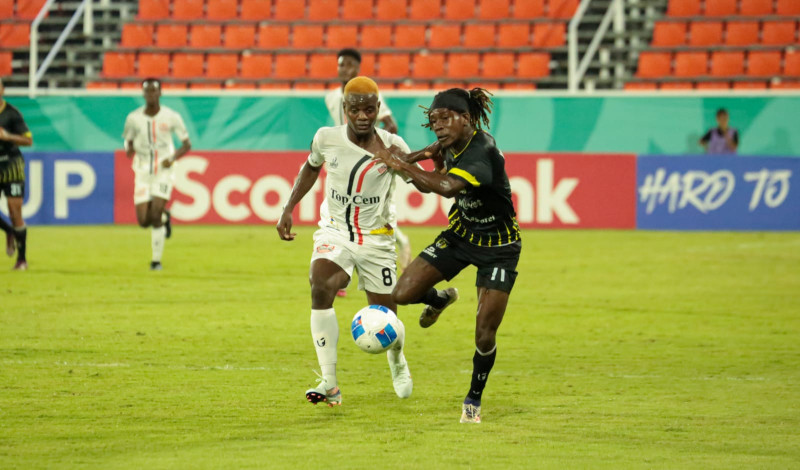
x,y
637,124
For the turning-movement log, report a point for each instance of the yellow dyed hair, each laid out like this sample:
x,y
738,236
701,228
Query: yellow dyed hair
x,y
361,86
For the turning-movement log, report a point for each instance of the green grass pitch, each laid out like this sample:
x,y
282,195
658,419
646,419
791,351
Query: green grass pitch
x,y
619,349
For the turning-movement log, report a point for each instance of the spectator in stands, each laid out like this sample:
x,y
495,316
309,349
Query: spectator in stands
x,y
722,139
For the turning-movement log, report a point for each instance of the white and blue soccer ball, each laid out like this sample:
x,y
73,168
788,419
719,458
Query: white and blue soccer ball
x,y
375,329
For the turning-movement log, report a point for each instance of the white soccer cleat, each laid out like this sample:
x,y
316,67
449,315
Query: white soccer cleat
x,y
401,378
470,413
430,314
321,393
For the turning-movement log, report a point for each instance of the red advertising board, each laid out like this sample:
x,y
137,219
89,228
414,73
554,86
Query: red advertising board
x,y
549,190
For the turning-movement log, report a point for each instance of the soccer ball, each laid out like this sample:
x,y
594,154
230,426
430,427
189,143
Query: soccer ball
x,y
375,329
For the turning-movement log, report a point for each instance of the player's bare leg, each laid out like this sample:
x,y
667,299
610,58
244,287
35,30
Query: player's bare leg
x,y
20,232
326,278
492,305
416,286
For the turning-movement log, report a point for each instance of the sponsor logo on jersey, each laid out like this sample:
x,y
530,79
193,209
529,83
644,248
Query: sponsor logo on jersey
x,y
163,127
326,248
358,199
334,163
441,243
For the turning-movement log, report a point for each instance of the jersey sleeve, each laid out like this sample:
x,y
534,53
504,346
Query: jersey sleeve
x,y
473,167
18,125
385,110
315,157
129,132
179,127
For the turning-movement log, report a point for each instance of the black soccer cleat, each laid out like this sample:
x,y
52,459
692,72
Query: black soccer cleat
x,y
155,266
168,223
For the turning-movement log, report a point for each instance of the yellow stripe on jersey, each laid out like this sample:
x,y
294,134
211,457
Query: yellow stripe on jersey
x,y
382,231
470,179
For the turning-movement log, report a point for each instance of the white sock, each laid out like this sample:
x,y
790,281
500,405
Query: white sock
x,y
395,353
325,333
157,236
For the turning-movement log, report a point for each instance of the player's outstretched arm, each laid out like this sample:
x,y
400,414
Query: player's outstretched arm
x,y
18,140
183,150
427,181
305,181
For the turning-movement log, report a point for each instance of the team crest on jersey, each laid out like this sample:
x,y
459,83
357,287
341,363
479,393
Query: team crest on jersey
x,y
382,169
441,243
334,163
325,248
163,127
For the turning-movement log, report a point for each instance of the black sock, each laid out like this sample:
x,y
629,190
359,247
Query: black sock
x,y
5,226
433,298
21,236
481,366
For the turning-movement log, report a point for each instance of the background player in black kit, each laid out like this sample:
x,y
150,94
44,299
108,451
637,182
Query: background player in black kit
x,y
13,134
483,229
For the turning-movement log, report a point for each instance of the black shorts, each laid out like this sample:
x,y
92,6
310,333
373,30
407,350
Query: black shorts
x,y
12,178
496,265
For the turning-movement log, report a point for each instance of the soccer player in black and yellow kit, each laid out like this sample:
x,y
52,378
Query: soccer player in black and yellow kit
x,y
483,229
13,134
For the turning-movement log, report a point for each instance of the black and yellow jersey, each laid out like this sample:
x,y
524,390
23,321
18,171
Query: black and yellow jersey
x,y
483,213
11,120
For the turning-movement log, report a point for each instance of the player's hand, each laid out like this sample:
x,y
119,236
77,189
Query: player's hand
x,y
4,135
167,162
285,226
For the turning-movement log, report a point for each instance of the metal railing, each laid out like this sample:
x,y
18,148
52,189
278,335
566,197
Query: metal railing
x,y
576,70
35,72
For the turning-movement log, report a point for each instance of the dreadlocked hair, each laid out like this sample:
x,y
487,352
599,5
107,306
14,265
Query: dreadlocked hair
x,y
476,102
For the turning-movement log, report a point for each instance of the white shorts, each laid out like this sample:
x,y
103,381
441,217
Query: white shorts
x,y
147,186
377,267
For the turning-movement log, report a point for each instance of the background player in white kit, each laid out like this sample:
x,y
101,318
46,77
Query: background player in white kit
x,y
148,141
348,66
355,230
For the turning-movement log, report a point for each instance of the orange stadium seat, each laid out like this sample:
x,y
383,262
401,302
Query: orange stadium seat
x,y
691,64
705,33
187,65
639,86
187,9
322,10
676,86
786,85
409,35
720,7
654,64
153,9
791,64
519,86
425,9
391,9
340,36
750,85
322,66
393,65
255,9
239,85
533,65
549,34
378,36
222,65
428,66
741,33
713,85
90,85
206,86
357,10
778,32
755,7
5,64
462,65
221,10
406,85
153,64
256,66
669,33
14,34
444,36
137,35
494,10
289,10
498,65
763,63
273,36
513,35
6,8
175,85
562,8
239,36
528,9
726,64
290,65
459,9
205,35
171,35
479,35
307,36
788,7
683,8
28,9
367,64
275,85
119,64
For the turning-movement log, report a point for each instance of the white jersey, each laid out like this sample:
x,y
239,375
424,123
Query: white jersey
x,y
358,190
152,137
333,100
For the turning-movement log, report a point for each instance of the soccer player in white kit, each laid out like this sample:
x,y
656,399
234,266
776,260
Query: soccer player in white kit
x,y
149,143
348,66
355,230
